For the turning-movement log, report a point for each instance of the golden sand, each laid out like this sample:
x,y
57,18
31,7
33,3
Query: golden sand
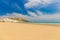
x,y
25,31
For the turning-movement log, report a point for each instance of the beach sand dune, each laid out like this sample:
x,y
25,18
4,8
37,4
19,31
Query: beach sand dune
x,y
26,31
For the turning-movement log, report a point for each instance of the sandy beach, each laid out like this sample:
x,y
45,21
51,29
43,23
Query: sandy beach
x,y
26,31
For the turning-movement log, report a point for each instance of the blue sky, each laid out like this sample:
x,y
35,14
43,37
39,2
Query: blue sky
x,y
10,6
36,10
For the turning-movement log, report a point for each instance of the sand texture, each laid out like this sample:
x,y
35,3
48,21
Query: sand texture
x,y
26,31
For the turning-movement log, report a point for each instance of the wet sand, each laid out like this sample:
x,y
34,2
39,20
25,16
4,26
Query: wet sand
x,y
26,31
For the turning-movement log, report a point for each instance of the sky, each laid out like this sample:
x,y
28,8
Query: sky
x,y
10,6
32,10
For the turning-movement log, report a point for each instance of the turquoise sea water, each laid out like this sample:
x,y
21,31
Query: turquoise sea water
x,y
47,23
51,23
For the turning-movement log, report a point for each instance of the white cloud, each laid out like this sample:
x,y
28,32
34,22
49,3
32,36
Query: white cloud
x,y
43,3
16,15
32,4
32,14
40,3
46,18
